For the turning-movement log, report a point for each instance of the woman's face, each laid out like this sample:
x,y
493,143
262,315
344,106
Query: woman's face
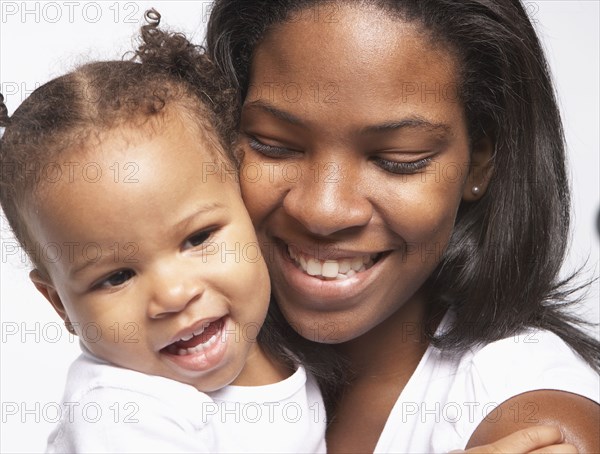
x,y
356,158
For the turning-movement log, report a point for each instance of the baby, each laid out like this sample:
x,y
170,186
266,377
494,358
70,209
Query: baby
x,y
122,166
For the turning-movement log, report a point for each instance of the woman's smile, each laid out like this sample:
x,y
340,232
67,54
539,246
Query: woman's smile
x,y
331,280
353,246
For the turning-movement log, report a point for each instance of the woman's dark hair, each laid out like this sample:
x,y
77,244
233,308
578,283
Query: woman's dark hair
x,y
500,271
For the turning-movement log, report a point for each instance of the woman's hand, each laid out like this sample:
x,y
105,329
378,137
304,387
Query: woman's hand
x,y
534,440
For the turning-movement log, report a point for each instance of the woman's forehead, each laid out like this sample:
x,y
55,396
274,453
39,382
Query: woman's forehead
x,y
360,71
361,43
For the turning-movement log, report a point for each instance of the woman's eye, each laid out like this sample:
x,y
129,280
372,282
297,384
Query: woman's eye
x,y
269,150
197,239
403,168
116,279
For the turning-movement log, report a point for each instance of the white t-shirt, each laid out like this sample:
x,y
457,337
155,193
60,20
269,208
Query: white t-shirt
x,y
286,417
111,409
448,396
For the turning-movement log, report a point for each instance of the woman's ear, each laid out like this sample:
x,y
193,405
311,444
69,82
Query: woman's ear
x,y
480,169
44,285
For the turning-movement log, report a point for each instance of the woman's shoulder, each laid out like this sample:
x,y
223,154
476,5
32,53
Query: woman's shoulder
x,y
527,378
546,346
451,393
536,359
530,360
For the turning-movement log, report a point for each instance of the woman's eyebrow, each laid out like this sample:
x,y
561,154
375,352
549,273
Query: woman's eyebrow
x,y
441,129
408,123
278,113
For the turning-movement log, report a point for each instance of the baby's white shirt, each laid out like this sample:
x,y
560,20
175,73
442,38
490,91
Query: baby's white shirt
x,y
111,409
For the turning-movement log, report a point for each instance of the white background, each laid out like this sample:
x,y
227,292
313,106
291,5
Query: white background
x,y
41,40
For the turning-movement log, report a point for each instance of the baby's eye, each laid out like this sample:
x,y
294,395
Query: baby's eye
x,y
197,239
116,279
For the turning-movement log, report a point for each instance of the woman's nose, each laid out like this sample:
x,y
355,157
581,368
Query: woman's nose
x,y
174,287
328,201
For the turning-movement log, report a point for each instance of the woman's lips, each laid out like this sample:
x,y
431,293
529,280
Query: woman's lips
x,y
321,289
338,269
202,350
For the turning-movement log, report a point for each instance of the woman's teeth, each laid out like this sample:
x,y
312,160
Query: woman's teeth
x,y
332,269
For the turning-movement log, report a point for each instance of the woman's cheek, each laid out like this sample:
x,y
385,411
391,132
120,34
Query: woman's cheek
x,y
257,191
421,213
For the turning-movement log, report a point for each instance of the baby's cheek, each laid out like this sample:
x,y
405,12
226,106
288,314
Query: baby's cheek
x,y
251,300
250,277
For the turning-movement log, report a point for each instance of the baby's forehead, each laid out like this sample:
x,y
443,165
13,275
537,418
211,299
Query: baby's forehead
x,y
132,152
130,181
125,136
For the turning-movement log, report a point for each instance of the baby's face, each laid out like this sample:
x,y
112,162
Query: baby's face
x,y
160,270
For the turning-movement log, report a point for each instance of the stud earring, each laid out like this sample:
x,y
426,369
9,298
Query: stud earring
x,y
475,190
70,327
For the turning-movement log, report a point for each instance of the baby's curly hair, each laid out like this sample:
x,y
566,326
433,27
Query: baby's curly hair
x,y
166,75
174,54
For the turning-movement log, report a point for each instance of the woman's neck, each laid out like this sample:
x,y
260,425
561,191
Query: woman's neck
x,y
392,348
383,360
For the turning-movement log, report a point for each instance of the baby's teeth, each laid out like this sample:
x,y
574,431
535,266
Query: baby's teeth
x,y
195,333
212,340
201,330
198,348
350,273
330,268
341,277
345,266
357,263
313,267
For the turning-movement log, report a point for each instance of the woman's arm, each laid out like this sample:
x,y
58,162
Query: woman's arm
x,y
577,417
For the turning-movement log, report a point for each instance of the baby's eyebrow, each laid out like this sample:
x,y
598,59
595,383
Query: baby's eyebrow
x,y
179,225
89,263
198,211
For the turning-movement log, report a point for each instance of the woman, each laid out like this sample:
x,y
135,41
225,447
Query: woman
x,y
403,163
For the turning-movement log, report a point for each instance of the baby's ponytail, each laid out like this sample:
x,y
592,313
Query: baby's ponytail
x,y
174,55
4,118
171,52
